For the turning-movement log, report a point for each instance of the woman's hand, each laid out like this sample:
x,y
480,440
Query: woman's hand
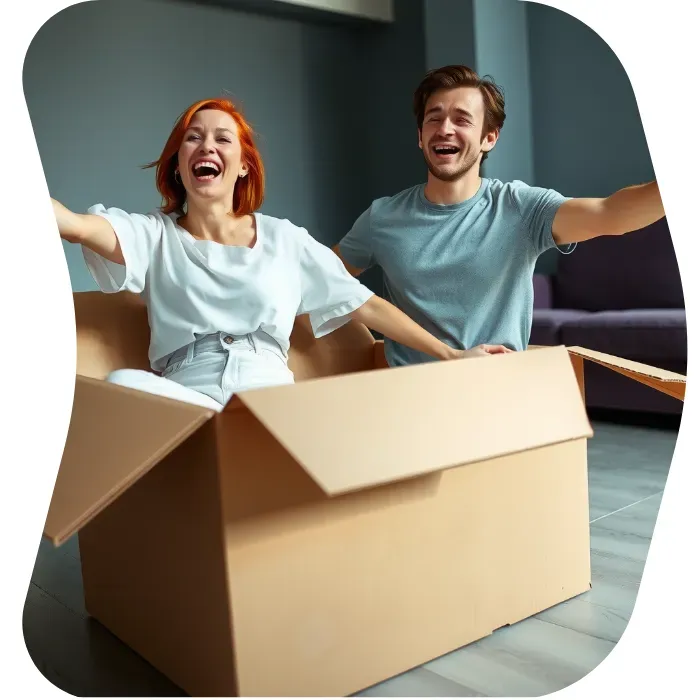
x,y
381,316
90,230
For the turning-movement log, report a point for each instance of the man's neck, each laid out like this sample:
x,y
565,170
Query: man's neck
x,y
441,192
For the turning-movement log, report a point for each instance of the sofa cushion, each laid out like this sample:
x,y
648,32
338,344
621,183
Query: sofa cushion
x,y
653,335
547,322
636,271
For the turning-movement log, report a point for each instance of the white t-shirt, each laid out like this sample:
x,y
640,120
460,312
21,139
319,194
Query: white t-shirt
x,y
193,287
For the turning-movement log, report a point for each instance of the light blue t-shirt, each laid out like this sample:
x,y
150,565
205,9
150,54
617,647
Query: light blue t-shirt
x,y
462,271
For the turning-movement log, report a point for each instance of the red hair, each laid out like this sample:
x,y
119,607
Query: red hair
x,y
249,191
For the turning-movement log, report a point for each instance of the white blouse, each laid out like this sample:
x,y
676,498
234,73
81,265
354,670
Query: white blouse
x,y
194,287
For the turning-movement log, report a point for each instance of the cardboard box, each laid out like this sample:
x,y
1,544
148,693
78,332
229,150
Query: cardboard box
x,y
318,538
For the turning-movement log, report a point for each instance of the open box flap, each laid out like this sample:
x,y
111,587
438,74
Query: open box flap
x,y
358,431
112,332
115,436
663,380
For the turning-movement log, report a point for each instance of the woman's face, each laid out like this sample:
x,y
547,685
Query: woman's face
x,y
209,158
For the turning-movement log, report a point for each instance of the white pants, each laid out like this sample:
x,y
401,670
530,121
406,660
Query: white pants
x,y
211,370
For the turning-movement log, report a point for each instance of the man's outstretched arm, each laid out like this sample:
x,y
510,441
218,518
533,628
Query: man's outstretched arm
x,y
626,210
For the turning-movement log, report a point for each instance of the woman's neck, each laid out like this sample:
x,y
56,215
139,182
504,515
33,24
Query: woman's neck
x,y
216,222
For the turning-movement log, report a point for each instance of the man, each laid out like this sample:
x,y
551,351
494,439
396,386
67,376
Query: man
x,y
458,253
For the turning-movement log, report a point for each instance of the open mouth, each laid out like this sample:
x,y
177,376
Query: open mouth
x,y
445,151
205,170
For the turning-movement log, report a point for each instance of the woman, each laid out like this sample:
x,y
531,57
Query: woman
x,y
222,282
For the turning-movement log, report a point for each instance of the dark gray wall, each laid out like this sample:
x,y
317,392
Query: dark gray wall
x,y
491,37
588,135
449,33
391,63
394,63
106,80
500,34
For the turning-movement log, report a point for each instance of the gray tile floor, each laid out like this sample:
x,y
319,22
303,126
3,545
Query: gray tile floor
x,y
628,466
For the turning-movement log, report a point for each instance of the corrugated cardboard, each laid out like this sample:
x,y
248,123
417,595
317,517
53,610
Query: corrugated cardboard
x,y
663,380
315,539
115,436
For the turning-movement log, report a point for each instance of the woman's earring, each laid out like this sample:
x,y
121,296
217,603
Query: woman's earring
x,y
177,177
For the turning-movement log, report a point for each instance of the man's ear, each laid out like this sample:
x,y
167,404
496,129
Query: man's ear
x,y
420,140
489,141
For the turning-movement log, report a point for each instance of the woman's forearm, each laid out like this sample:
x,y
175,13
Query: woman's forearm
x,y
385,318
89,230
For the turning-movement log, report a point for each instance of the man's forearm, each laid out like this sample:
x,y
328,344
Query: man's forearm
x,y
633,208
629,209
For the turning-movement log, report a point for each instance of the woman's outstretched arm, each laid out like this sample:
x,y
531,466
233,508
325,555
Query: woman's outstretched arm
x,y
90,230
387,319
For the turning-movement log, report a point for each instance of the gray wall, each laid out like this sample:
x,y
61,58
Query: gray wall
x,y
588,135
491,37
502,52
393,64
106,80
572,119
449,33
331,100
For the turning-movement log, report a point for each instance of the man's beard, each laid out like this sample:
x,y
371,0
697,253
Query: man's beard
x,y
455,175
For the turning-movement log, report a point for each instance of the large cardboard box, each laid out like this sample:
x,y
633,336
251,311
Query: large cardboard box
x,y
315,539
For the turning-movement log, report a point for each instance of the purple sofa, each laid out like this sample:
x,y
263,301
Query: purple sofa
x,y
622,296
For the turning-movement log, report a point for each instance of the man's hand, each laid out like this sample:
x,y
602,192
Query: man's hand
x,y
626,210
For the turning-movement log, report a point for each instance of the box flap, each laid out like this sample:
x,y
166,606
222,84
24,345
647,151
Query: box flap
x,y
349,348
112,332
661,379
357,431
115,436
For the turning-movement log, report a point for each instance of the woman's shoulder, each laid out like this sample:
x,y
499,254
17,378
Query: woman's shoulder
x,y
149,219
283,229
